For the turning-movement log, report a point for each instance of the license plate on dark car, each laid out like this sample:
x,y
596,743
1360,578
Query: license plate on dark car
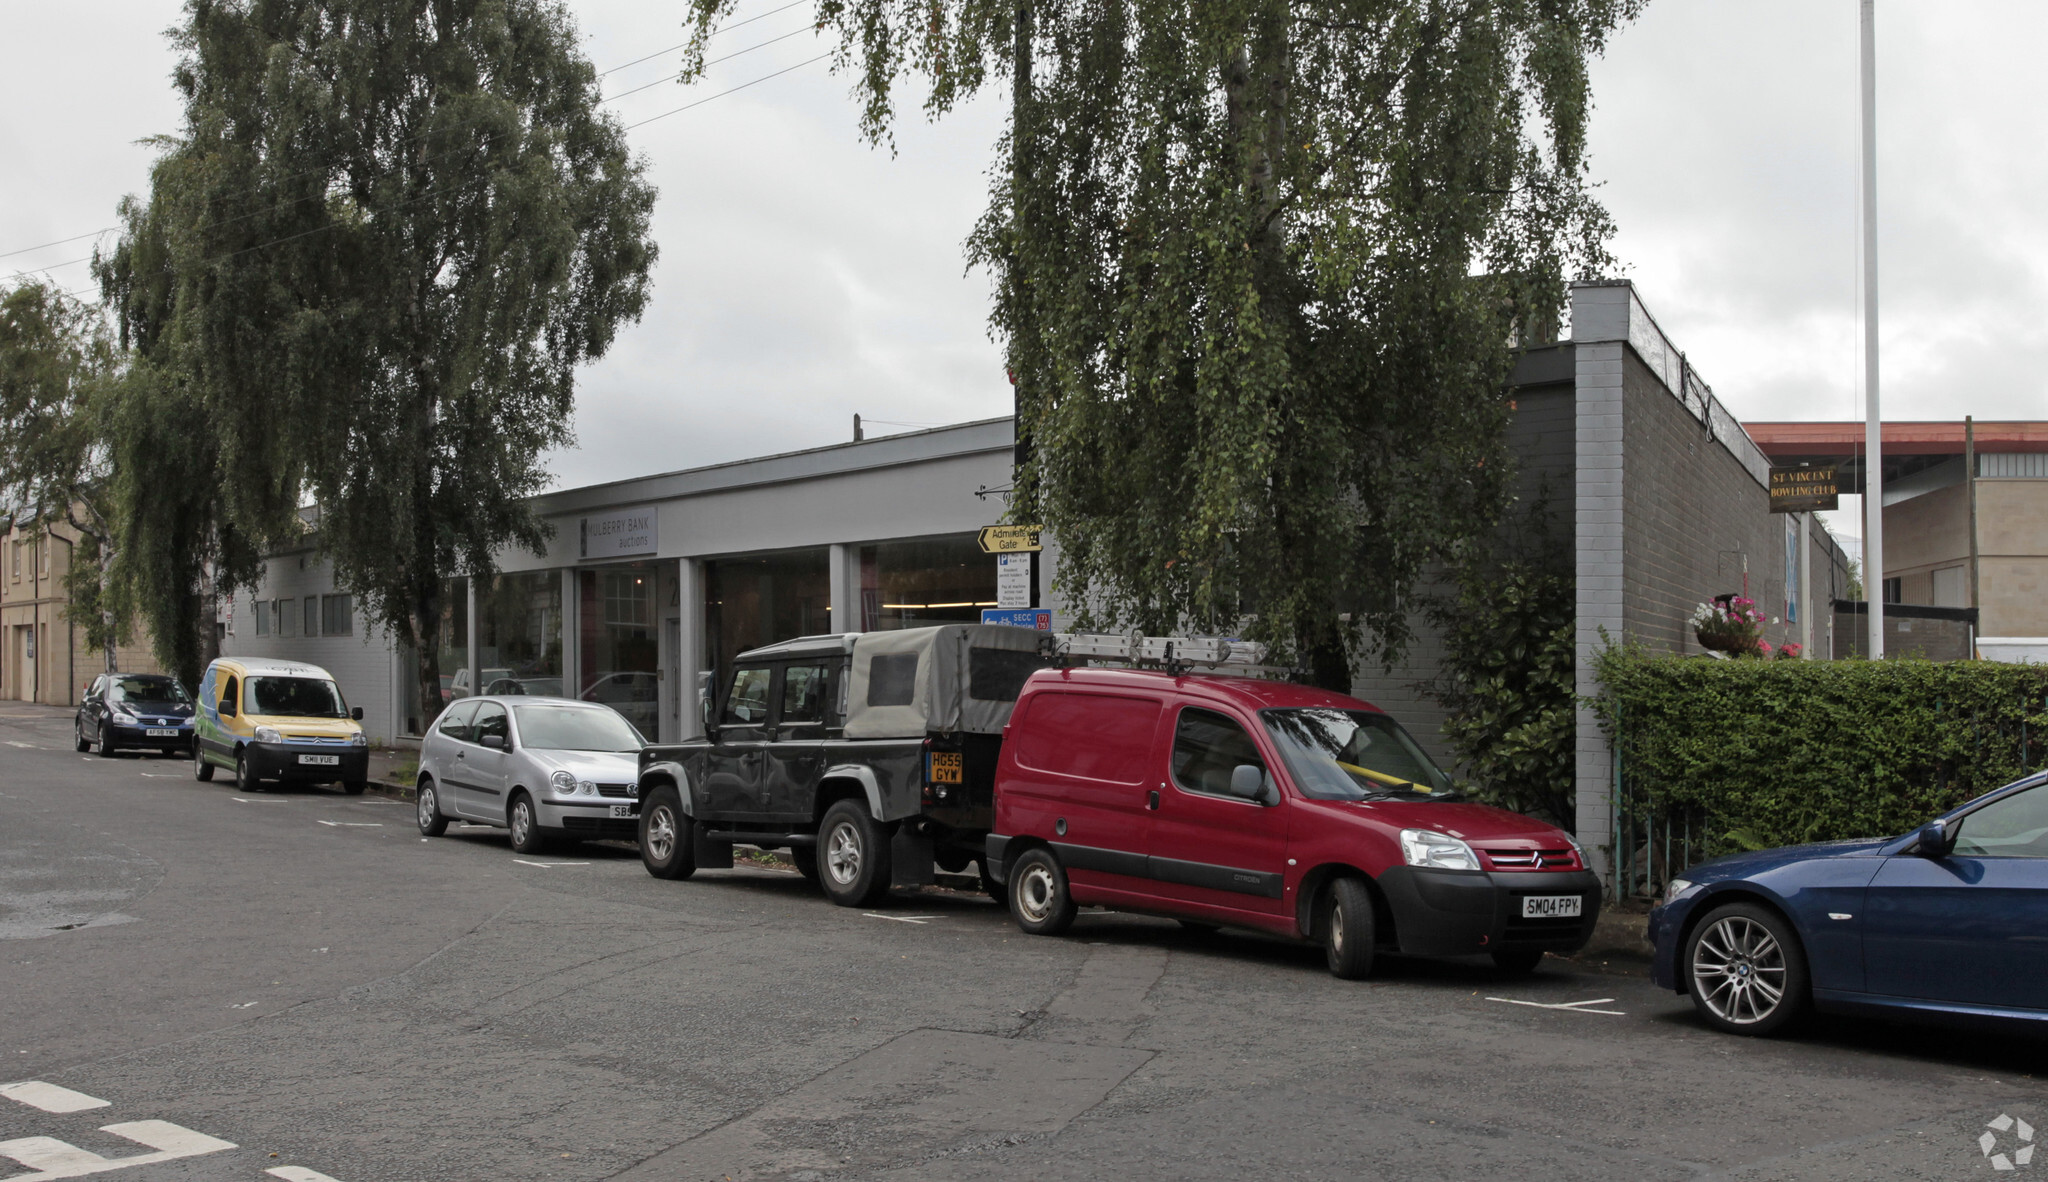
x,y
1551,906
161,733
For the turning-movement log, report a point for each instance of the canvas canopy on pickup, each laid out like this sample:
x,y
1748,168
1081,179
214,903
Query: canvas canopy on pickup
x,y
954,677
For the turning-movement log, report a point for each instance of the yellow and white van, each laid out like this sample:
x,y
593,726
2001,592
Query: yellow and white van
x,y
277,720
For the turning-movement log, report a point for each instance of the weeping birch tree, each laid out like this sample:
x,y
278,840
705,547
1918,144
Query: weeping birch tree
x,y
1261,269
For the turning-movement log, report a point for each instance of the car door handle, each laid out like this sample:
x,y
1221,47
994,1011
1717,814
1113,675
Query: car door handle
x,y
1152,799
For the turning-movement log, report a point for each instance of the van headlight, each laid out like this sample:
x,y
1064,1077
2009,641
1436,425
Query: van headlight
x,y
359,739
268,734
1438,851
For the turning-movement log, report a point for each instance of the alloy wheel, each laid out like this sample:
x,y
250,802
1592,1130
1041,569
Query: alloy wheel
x,y
522,822
661,833
426,806
843,853
1739,970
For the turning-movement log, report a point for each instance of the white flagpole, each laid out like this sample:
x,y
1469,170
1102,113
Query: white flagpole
x,y
1873,431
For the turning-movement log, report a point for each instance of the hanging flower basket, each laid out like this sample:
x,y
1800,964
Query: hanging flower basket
x,y
1730,624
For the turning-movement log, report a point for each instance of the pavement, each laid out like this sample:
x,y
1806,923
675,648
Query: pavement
x,y
196,984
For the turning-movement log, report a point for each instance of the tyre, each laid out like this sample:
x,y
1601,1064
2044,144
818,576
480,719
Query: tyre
x,y
667,836
355,787
1039,900
78,739
1746,970
524,822
1199,927
989,885
853,855
805,859
106,745
1519,962
201,769
244,778
1347,929
428,811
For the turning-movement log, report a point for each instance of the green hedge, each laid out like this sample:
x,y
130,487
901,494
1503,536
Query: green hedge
x,y
1765,753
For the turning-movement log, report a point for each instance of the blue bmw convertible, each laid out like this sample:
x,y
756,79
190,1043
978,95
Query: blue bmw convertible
x,y
1949,922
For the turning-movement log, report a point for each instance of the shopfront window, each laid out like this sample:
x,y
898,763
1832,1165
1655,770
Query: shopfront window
x,y
618,653
935,581
755,601
519,641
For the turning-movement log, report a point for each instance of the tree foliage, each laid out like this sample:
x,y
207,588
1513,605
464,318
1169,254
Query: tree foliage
x,y
1507,674
1262,265
367,270
59,374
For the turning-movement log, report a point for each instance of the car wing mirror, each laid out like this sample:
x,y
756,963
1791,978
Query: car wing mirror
x,y
1932,840
494,742
1248,781
356,712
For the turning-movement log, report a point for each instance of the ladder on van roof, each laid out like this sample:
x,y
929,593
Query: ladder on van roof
x,y
1222,654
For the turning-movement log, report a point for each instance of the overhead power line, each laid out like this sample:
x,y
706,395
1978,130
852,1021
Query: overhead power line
x,y
615,69
714,61
727,29
735,90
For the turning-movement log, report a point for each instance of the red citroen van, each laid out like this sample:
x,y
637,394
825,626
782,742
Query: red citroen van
x,y
1230,800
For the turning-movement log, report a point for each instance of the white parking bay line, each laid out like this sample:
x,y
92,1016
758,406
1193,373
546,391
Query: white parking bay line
x,y
19,743
545,865
52,1158
354,824
903,918
51,1098
1576,1007
298,1174
251,800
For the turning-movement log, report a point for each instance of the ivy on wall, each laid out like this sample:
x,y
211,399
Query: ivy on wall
x,y
1774,753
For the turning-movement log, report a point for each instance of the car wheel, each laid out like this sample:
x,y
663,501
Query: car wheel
x,y
524,822
989,885
1039,899
1519,962
78,738
853,855
355,787
666,836
201,769
1746,970
106,745
432,823
244,778
1348,929
805,859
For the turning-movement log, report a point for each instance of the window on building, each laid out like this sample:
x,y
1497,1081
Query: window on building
x,y
619,650
337,615
518,636
312,615
264,613
286,618
1894,590
934,581
1793,590
750,602
17,562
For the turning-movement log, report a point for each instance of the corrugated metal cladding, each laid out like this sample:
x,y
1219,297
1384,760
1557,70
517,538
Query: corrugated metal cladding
x,y
2013,464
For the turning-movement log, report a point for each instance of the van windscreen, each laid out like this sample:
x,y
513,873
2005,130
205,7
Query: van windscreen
x,y
301,697
1353,755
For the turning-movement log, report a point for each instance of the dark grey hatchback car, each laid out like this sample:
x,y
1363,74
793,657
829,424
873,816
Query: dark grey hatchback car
x,y
136,712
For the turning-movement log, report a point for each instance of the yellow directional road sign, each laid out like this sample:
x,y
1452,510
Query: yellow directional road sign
x,y
1009,539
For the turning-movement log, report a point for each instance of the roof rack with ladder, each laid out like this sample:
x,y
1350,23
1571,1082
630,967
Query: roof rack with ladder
x,y
1221,654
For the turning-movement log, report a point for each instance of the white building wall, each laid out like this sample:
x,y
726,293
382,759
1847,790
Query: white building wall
x,y
364,664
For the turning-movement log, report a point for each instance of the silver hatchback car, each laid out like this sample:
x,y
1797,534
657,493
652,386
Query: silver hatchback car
x,y
547,769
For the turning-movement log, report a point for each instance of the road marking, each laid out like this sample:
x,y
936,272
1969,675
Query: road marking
x,y
167,776
354,824
298,1174
19,743
248,800
51,1098
522,862
242,1005
874,915
1576,1007
53,1159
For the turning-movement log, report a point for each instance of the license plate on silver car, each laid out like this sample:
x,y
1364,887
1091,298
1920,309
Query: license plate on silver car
x,y
161,733
321,760
625,810
1551,906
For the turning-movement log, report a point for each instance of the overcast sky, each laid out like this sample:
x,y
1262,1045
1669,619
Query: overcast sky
x,y
806,277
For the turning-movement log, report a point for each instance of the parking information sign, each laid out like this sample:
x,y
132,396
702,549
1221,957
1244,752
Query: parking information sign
x,y
1036,618
1013,580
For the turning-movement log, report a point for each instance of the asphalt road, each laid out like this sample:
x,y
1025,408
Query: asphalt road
x,y
297,982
